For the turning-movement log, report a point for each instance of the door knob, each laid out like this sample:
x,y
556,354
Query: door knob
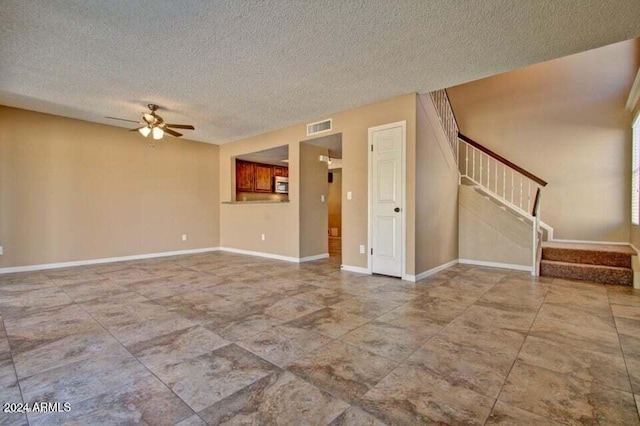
x,y
397,209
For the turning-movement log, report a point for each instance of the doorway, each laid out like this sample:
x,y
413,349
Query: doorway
x,y
332,159
387,199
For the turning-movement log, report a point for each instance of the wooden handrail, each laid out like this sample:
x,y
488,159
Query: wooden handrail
x,y
503,160
536,204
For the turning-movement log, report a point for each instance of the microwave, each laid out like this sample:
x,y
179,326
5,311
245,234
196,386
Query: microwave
x,y
281,185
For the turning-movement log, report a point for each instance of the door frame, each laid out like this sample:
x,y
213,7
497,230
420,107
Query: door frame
x,y
403,214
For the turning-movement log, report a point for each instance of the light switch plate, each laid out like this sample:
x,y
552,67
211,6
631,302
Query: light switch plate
x,y
349,195
184,237
362,249
1,251
322,198
263,237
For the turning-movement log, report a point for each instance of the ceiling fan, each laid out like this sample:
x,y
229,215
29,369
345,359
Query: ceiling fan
x,y
154,124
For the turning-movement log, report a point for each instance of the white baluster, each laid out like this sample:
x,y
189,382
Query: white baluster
x,y
488,171
496,177
520,205
466,159
504,180
473,151
512,187
481,154
529,196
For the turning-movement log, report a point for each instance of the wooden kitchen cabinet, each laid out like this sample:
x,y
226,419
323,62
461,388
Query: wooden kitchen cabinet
x,y
244,176
278,171
263,178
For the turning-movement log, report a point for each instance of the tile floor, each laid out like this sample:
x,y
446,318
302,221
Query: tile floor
x,y
222,338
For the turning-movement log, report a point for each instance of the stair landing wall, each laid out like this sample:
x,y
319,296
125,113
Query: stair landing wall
x,y
490,234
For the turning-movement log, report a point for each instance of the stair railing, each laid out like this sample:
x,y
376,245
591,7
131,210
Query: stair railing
x,y
498,177
504,180
447,119
537,240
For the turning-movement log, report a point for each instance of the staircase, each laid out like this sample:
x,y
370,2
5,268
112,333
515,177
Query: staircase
x,y
607,264
517,193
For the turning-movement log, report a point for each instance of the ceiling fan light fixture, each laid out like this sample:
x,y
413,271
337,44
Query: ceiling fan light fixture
x,y
157,132
144,131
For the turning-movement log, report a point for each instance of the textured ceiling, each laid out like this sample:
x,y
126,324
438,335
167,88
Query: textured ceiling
x,y
274,156
332,142
239,68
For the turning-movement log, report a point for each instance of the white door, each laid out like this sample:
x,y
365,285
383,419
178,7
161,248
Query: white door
x,y
387,144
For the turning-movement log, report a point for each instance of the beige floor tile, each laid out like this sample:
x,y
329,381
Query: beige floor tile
x,y
355,416
592,318
417,320
575,335
458,332
330,322
291,308
211,377
505,414
388,340
279,398
146,401
608,370
481,317
478,360
342,370
282,345
366,307
414,395
563,397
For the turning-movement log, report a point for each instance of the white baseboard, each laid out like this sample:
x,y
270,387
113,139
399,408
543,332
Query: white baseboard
x,y
312,258
261,254
609,243
43,266
357,269
495,264
432,271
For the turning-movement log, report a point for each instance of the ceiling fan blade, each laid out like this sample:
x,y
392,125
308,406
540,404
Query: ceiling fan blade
x,y
122,119
172,132
181,126
135,130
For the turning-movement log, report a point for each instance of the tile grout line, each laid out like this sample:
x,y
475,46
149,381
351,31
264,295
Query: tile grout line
x,y
506,378
15,371
425,342
127,350
624,356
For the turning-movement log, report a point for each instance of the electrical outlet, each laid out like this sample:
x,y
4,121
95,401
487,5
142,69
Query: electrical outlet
x,y
1,251
362,249
349,195
184,237
263,237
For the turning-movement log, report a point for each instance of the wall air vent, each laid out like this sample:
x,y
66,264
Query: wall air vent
x,y
319,127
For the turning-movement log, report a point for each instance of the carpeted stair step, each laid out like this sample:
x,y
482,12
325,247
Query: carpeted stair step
x,y
611,256
587,272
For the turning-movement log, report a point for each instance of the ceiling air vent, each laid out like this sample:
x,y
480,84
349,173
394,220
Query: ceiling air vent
x,y
319,127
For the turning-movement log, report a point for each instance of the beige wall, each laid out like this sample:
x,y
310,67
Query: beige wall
x,y
565,121
241,225
260,196
436,192
334,201
489,234
73,190
313,211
